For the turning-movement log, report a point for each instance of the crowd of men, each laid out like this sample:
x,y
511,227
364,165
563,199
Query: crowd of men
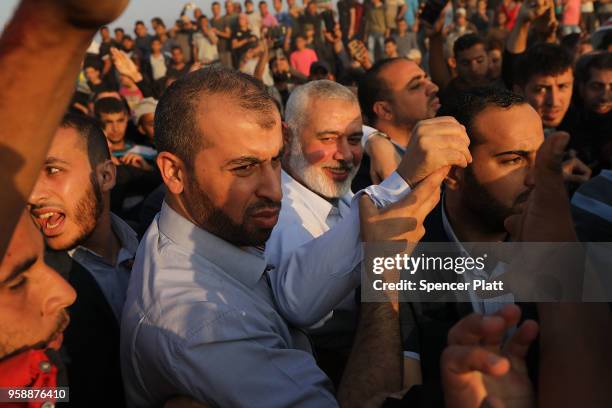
x,y
185,226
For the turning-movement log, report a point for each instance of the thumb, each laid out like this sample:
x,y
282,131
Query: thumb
x,y
432,182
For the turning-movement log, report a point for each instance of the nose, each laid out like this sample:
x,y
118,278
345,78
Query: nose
x,y
60,294
343,150
40,192
431,88
530,175
269,184
552,97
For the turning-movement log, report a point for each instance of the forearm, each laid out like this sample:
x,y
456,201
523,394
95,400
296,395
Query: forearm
x,y
575,356
437,63
40,52
517,40
375,364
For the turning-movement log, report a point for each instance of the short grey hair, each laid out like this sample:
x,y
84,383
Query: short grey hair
x,y
295,110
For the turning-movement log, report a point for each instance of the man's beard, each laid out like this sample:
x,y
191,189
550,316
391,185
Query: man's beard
x,y
61,325
216,221
485,207
88,211
313,176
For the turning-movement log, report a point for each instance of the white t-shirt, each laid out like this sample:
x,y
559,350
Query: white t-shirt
x,y
207,51
158,66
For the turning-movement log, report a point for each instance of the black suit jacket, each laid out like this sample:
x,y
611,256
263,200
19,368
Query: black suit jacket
x,y
425,326
91,341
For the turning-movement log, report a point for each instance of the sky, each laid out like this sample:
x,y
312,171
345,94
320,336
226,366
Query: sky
x,y
168,10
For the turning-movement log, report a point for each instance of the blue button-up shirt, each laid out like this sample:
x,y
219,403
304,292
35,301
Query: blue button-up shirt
x,y
203,318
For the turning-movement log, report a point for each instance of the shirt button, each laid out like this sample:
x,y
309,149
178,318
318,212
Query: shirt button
x,y
48,405
45,366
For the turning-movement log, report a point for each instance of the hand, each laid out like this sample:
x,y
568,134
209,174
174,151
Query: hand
x,y
87,14
135,160
532,9
575,171
546,216
477,369
125,65
195,66
435,143
403,220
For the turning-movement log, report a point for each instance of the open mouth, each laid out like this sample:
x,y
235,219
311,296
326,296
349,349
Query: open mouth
x,y
49,220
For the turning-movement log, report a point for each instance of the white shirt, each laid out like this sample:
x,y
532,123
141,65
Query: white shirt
x,y
304,216
200,319
207,51
158,66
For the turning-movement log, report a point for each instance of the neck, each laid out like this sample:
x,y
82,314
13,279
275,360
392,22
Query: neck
x,y
466,225
103,240
399,134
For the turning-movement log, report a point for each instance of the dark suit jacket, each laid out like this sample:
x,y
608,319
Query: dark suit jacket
x,y
91,341
425,325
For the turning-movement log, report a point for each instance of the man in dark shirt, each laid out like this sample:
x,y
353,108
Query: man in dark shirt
x,y
242,39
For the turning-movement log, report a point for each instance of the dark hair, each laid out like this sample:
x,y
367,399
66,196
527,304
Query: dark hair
x,y
570,41
589,62
93,62
262,2
103,28
495,44
159,21
466,105
542,59
119,29
216,3
109,105
90,130
176,47
390,40
467,41
373,88
202,17
176,126
139,22
127,37
155,38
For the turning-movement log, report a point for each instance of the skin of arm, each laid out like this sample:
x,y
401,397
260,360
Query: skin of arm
x,y
45,41
383,158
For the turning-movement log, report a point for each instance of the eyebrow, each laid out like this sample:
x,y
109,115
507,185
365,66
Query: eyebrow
x,y
516,152
54,160
416,78
337,133
18,269
246,160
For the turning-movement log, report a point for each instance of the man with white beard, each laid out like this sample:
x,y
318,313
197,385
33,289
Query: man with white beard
x,y
322,136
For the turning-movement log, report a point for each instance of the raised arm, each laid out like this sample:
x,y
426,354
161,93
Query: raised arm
x,y
41,50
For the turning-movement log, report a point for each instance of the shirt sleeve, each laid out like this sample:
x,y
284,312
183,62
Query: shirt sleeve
x,y
314,278
209,363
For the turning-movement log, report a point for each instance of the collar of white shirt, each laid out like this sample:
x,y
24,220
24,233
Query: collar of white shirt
x,y
310,201
241,264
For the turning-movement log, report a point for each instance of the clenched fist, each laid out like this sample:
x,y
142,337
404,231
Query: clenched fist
x,y
435,143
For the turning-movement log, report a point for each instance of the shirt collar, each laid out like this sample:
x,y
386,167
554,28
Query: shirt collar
x,y
241,264
128,241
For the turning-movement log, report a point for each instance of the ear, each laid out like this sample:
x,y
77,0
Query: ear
x,y
452,62
172,172
106,172
286,134
141,130
454,179
383,110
